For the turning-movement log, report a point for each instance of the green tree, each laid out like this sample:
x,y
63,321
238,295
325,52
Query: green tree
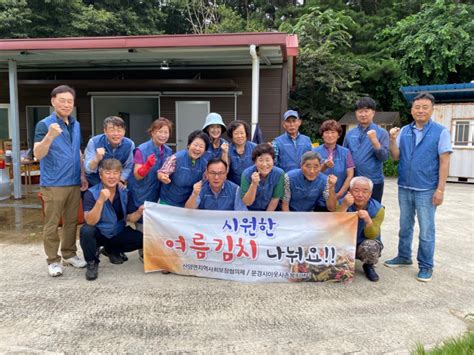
x,y
327,72
434,46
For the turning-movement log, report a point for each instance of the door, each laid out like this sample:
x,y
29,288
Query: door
x,y
4,122
190,116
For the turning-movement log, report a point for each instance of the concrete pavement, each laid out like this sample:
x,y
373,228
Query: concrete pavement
x,y
126,310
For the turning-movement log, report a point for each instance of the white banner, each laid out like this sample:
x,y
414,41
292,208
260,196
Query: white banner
x,y
250,246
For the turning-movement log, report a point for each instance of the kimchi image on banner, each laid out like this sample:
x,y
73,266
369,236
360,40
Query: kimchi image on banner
x,y
250,246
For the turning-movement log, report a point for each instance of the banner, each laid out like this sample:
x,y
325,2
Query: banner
x,y
250,246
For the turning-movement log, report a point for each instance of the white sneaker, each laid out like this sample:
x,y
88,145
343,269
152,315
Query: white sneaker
x,y
55,269
76,262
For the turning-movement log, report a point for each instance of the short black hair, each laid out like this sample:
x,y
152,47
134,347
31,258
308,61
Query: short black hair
x,y
366,102
216,161
236,124
424,96
263,148
199,134
63,88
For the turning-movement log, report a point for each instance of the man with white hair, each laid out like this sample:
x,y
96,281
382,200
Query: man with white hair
x,y
371,214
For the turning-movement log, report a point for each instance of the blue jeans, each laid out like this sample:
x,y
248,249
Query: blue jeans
x,y
417,203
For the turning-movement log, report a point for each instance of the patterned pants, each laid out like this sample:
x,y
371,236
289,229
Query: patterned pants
x,y
369,251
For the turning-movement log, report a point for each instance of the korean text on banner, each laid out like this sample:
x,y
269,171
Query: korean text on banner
x,y
250,246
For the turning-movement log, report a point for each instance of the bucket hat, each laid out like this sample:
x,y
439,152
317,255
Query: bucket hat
x,y
214,118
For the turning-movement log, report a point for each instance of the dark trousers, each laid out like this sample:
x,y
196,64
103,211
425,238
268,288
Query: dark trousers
x,y
377,192
127,240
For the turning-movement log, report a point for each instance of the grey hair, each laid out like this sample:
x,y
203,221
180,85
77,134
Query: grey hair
x,y
114,121
361,179
310,156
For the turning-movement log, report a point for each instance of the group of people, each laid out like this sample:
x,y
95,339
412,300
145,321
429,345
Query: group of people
x,y
116,178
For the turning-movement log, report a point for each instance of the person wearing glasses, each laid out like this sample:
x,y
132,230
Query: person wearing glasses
x,y
182,170
216,193
110,144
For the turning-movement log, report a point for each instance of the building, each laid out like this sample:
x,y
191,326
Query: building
x,y
182,77
385,120
454,109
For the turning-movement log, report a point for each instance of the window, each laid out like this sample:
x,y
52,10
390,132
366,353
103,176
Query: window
x,y
463,133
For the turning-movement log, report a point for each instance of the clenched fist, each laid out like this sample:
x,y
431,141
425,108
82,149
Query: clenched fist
x,y
332,180
197,188
372,135
104,195
99,154
349,199
255,178
54,130
394,132
225,148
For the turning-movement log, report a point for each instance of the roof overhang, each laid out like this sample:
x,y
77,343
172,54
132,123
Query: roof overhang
x,y
463,92
178,51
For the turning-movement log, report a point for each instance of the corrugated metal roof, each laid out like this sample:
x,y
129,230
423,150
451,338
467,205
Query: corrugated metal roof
x,y
443,93
388,117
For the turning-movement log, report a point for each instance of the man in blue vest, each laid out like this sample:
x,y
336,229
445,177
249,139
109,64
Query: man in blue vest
x,y
368,144
58,148
371,214
106,212
110,144
291,145
423,149
216,193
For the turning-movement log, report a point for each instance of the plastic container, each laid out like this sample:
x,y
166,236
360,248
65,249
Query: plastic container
x,y
4,182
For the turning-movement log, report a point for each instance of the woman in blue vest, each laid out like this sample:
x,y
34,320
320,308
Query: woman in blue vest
x,y
149,157
215,128
183,169
240,151
337,160
308,188
262,184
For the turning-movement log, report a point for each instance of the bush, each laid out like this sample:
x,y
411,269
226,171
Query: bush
x,y
390,167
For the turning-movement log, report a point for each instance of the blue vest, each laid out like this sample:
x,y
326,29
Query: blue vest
x,y
265,187
224,201
62,165
373,207
216,153
148,188
120,153
108,224
340,163
290,151
185,176
363,153
419,165
238,163
305,195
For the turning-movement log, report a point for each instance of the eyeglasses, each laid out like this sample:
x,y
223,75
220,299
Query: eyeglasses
x,y
216,173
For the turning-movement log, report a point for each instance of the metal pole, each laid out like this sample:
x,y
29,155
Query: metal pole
x,y
14,120
255,87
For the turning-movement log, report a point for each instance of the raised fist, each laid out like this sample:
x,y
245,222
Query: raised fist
x,y
255,178
349,199
225,147
329,163
104,195
54,130
197,188
372,134
332,180
164,178
394,132
99,154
